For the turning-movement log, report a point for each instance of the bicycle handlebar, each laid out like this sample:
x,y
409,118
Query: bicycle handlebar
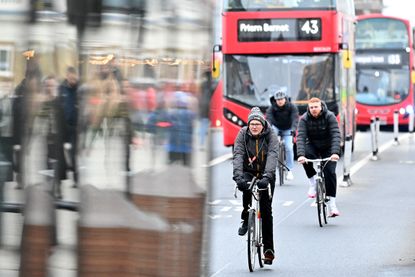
x,y
318,160
251,183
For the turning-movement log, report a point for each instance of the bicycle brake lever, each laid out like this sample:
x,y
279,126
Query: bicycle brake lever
x,y
235,191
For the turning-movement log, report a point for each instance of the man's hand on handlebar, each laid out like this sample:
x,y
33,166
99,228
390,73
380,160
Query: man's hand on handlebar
x,y
334,157
301,159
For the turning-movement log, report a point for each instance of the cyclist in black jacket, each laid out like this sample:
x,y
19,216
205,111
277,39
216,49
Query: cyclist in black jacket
x,y
319,135
255,154
283,116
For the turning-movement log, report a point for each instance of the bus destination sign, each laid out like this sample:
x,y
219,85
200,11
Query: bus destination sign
x,y
281,29
382,59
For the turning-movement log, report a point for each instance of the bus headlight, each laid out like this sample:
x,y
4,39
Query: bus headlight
x,y
233,118
402,111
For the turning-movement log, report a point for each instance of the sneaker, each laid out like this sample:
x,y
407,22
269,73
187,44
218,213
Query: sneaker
x,y
244,228
312,192
333,210
268,257
289,176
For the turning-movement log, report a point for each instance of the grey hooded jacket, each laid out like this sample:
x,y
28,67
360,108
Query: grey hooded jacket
x,y
255,155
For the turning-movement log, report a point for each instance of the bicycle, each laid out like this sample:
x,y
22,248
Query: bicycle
x,y
321,198
254,236
282,168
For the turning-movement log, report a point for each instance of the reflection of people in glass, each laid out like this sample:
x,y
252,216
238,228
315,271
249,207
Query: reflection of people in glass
x,y
181,119
235,4
317,81
248,85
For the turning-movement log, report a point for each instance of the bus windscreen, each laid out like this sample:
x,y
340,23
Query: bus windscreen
x,y
381,33
250,79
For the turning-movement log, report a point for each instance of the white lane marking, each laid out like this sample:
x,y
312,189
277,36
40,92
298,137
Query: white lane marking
x,y
226,208
215,202
238,209
292,212
220,270
235,202
288,203
357,166
215,216
407,162
219,160
313,204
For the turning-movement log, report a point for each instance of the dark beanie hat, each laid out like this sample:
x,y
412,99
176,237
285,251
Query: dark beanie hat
x,y
256,114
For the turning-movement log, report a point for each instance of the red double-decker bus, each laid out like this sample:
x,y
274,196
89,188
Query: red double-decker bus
x,y
384,69
304,47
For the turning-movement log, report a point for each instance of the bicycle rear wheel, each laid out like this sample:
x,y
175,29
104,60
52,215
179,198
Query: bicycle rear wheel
x,y
281,163
251,240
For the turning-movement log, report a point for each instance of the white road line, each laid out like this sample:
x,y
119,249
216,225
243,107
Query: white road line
x,y
220,270
357,166
215,202
292,212
215,216
235,202
220,159
238,209
288,203
226,208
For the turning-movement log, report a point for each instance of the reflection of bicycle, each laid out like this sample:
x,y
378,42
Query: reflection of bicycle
x,y
254,240
321,198
282,159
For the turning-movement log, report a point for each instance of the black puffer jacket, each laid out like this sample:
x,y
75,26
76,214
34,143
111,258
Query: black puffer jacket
x,y
285,117
323,132
261,150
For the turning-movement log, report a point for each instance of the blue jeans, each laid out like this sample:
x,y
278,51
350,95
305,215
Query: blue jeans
x,y
288,143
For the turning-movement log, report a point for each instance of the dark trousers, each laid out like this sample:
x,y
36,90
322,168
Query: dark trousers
x,y
265,205
329,170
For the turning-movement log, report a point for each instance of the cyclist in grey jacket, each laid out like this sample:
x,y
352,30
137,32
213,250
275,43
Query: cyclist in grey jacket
x,y
319,136
255,154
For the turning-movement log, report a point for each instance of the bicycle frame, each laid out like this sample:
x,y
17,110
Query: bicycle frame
x,y
281,160
254,237
321,198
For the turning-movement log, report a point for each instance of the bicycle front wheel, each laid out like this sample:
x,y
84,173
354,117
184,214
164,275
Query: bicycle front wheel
x,y
260,246
252,247
281,163
320,201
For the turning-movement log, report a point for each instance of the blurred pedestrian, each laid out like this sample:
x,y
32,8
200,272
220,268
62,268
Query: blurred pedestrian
x,y
204,108
181,118
53,114
68,97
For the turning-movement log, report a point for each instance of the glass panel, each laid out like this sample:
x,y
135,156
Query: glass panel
x,y
382,86
381,33
250,79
